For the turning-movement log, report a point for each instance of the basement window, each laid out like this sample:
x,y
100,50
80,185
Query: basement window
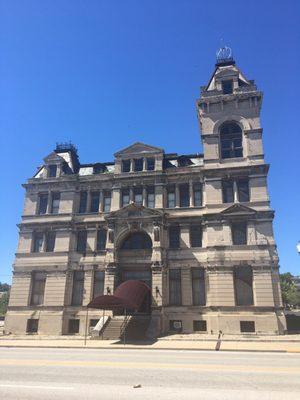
x,y
247,326
199,326
73,326
32,326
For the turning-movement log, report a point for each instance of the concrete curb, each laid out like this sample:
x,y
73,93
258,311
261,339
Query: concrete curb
x,y
126,347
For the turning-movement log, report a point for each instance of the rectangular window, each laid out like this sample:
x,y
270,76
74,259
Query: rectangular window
x,y
138,164
150,164
95,202
150,197
38,238
171,197
101,239
239,233
42,203
138,196
174,237
227,190
32,326
52,171
106,201
83,202
73,326
184,195
196,235
199,326
175,287
247,326
78,286
126,166
125,197
50,241
81,241
98,288
38,282
243,285
243,190
198,286
197,188
55,198
227,86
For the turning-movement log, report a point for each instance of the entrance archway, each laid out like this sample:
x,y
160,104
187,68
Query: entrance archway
x,y
134,260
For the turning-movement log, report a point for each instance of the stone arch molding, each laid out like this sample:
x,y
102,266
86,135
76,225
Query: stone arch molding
x,y
124,232
241,121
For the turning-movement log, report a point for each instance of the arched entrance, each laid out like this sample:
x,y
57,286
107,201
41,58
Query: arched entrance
x,y
134,259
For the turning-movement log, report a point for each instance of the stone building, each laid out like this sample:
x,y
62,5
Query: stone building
x,y
196,228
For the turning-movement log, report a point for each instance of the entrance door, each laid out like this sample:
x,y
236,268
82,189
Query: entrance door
x,y
144,276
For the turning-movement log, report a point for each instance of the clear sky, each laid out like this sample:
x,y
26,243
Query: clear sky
x,y
107,73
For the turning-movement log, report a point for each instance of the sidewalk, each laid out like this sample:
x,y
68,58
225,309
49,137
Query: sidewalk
x,y
286,344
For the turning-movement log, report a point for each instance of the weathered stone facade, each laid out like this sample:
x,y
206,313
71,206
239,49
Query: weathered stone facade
x,y
212,264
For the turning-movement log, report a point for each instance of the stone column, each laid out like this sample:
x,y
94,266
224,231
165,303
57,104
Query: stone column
x,y
186,287
235,192
144,196
177,196
157,284
91,240
144,164
184,236
101,205
88,286
159,196
131,195
191,193
115,200
131,165
110,278
88,203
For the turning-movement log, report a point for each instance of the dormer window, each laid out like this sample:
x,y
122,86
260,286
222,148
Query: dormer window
x,y
52,171
126,166
138,164
150,164
227,86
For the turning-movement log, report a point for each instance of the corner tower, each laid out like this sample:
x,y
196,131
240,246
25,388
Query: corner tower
x,y
229,115
242,259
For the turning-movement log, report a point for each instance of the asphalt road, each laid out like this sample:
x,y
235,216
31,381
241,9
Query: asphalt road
x,y
112,374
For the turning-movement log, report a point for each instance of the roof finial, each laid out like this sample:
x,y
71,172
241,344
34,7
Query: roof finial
x,y
224,54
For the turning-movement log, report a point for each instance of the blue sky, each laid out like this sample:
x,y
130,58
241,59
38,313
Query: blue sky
x,y
104,74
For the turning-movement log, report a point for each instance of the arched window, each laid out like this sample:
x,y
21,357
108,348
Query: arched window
x,y
137,241
231,140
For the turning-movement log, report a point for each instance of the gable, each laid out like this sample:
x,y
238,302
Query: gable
x,y
238,209
133,211
138,148
53,157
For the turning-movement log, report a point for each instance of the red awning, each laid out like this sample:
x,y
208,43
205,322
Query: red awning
x,y
129,295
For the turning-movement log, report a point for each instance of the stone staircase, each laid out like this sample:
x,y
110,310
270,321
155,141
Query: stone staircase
x,y
132,327
112,330
137,327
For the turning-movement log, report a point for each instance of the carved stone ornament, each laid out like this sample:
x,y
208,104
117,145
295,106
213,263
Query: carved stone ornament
x,y
157,267
111,268
156,230
111,235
